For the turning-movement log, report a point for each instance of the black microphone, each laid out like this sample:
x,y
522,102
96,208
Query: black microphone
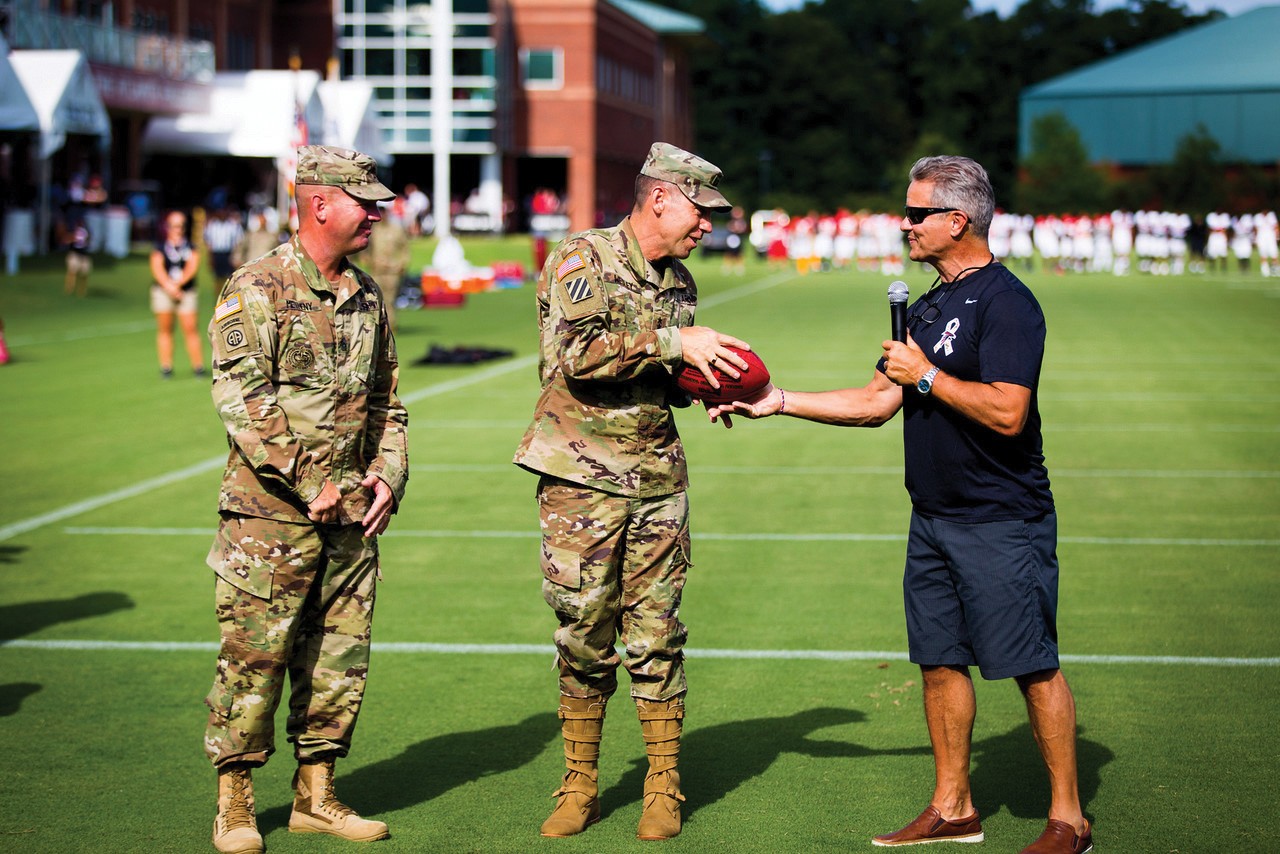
x,y
898,310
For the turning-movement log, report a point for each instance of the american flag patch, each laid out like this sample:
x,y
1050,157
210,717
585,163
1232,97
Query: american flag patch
x,y
570,264
228,307
578,290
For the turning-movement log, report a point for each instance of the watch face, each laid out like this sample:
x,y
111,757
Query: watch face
x,y
924,386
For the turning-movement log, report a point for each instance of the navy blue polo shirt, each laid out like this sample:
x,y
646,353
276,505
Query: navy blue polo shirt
x,y
990,329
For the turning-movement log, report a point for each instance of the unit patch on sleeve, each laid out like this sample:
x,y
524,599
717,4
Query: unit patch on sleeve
x,y
578,290
578,297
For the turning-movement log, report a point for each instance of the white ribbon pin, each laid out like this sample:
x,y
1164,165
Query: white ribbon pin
x,y
944,343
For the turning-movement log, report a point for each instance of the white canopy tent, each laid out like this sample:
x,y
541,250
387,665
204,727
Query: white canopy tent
x,y
61,89
351,118
256,114
16,115
16,109
251,114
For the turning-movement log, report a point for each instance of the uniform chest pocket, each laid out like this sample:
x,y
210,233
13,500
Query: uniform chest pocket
x,y
357,343
302,359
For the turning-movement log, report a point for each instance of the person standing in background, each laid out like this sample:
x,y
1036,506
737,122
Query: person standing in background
x,y
387,257
222,234
174,263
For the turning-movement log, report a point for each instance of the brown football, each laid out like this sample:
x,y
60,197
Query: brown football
x,y
754,378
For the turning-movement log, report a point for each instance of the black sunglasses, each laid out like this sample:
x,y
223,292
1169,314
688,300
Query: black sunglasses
x,y
930,313
917,215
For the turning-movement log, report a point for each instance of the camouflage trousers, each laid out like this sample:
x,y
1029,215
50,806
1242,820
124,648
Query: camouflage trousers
x,y
296,599
614,567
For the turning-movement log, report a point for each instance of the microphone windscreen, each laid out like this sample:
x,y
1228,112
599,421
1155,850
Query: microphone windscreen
x,y
898,292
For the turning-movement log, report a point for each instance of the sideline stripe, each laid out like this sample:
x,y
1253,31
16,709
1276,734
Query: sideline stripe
x,y
832,537
88,504
692,652
83,334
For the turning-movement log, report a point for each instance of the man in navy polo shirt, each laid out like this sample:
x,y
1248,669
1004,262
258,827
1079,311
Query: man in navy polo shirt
x,y
981,579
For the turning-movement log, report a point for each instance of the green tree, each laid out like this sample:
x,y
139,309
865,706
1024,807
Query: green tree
x,y
1056,175
1194,181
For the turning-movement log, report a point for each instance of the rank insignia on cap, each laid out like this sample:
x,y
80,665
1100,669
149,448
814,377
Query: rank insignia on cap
x,y
572,263
578,290
226,308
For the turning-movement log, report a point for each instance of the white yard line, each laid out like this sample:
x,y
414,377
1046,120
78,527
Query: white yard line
x,y
742,536
692,652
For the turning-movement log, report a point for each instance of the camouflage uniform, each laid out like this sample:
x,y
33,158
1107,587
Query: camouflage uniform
x,y
612,501
305,379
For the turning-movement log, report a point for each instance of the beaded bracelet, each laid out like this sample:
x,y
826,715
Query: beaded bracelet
x,y
782,410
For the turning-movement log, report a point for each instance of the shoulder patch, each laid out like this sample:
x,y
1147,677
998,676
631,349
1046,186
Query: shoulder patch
x,y
226,308
578,289
578,297
570,265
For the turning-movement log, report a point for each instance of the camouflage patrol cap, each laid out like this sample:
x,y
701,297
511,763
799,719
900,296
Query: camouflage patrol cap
x,y
696,178
354,172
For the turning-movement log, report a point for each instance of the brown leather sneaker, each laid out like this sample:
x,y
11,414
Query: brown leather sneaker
x,y
930,826
1061,838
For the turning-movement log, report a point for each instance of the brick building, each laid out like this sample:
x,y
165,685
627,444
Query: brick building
x,y
558,94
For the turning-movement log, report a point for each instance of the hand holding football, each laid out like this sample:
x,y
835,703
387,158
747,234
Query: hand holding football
x,y
753,379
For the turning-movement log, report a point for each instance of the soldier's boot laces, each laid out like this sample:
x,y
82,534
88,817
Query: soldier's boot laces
x,y
235,829
661,724
316,809
577,799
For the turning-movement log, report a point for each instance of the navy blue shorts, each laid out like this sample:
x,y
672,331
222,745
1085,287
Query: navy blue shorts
x,y
984,594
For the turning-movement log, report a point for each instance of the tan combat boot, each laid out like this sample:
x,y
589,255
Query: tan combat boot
x,y
316,809
235,830
660,724
578,806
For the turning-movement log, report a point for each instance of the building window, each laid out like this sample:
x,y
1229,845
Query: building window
x,y
542,67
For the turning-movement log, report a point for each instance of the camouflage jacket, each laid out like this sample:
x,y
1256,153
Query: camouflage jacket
x,y
304,379
609,323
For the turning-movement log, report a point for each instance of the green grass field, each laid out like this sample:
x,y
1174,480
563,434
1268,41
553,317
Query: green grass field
x,y
1161,402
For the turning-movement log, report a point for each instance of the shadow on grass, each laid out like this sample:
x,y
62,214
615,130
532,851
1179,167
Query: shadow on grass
x,y
10,554
12,695
1007,771
428,769
30,617
717,759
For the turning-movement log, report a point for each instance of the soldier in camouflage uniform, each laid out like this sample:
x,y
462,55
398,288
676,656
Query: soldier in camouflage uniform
x,y
615,314
305,376
387,258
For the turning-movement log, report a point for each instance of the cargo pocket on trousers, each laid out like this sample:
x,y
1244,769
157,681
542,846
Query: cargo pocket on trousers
x,y
561,566
228,558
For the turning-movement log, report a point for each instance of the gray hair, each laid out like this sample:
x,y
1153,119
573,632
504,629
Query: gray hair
x,y
959,183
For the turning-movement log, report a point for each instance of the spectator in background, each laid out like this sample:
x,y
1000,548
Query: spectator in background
x,y
260,239
1268,245
222,234
417,206
737,227
387,257
75,242
174,263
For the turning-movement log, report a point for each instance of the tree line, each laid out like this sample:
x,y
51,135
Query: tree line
x,y
828,105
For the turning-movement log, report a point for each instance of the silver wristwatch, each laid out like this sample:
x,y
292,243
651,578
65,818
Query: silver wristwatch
x,y
926,382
